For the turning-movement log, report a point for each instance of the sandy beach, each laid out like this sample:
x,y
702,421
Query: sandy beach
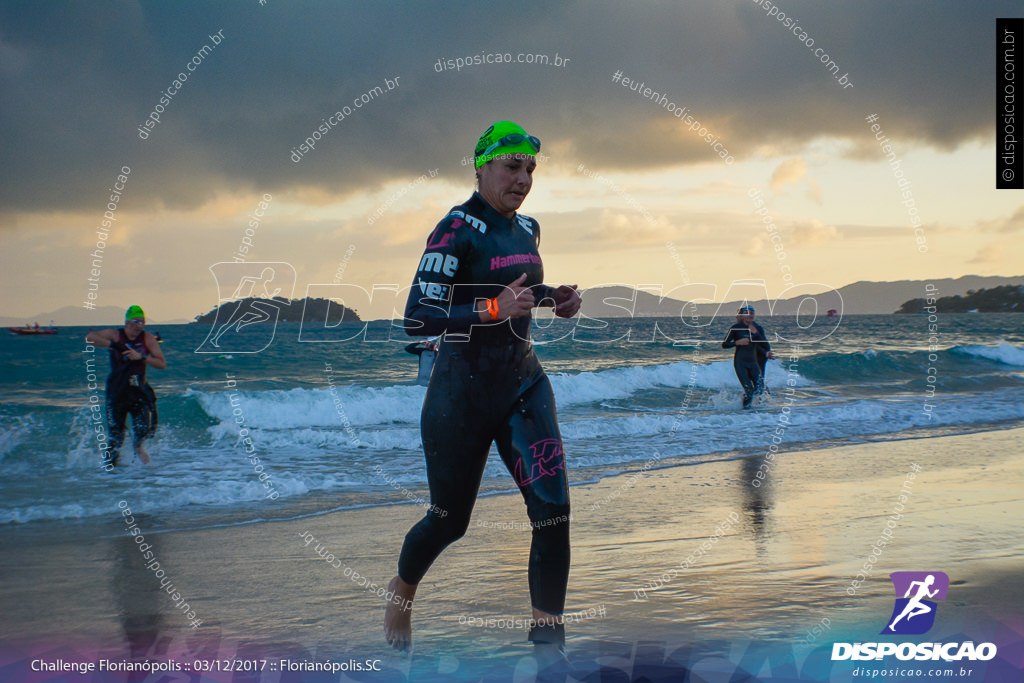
x,y
697,568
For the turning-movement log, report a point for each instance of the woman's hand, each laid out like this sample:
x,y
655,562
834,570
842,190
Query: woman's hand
x,y
515,300
567,301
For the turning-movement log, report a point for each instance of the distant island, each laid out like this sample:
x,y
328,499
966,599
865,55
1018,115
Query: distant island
x,y
667,299
1006,299
290,310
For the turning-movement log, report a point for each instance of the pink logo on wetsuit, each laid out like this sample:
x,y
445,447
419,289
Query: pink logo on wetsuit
x,y
548,459
514,260
445,239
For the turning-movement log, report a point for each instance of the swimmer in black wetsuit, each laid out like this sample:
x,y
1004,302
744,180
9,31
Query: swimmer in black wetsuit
x,y
752,352
477,283
131,350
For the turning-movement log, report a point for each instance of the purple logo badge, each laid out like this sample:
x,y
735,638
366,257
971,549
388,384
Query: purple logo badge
x,y
548,459
914,613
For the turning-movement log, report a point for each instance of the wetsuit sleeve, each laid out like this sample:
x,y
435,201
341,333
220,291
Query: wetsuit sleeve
x,y
429,310
763,347
730,339
541,292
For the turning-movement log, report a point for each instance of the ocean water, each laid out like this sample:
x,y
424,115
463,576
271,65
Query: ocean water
x,y
334,416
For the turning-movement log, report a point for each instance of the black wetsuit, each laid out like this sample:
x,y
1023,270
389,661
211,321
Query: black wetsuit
x,y
749,360
128,392
486,386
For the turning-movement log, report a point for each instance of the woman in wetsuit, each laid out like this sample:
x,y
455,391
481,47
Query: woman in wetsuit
x,y
132,349
477,283
752,352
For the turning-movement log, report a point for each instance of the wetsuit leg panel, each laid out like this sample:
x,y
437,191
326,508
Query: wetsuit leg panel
x,y
531,447
754,379
117,415
144,418
750,377
456,441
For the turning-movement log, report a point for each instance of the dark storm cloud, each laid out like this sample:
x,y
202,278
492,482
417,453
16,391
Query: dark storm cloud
x,y
77,79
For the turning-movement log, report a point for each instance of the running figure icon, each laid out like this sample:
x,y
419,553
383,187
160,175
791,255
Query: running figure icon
x,y
251,296
915,606
916,596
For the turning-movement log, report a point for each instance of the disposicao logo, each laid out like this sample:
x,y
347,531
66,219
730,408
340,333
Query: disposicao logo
x,y
914,614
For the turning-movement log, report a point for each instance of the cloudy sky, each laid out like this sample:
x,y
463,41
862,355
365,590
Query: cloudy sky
x,y
625,192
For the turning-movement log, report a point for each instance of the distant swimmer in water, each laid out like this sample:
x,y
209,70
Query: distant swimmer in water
x,y
752,353
915,607
477,283
131,350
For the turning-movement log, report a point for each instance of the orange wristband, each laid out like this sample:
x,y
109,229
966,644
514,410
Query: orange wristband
x,y
492,308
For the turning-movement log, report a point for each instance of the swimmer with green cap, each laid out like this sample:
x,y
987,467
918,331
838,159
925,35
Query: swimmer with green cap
x,y
504,137
505,185
132,349
477,283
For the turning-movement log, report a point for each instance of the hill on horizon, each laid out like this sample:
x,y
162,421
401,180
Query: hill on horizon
x,y
289,310
1005,299
859,298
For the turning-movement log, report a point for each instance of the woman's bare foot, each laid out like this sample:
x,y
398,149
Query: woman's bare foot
x,y
548,637
398,617
143,455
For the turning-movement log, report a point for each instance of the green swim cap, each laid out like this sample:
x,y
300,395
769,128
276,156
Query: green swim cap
x,y
493,143
134,312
